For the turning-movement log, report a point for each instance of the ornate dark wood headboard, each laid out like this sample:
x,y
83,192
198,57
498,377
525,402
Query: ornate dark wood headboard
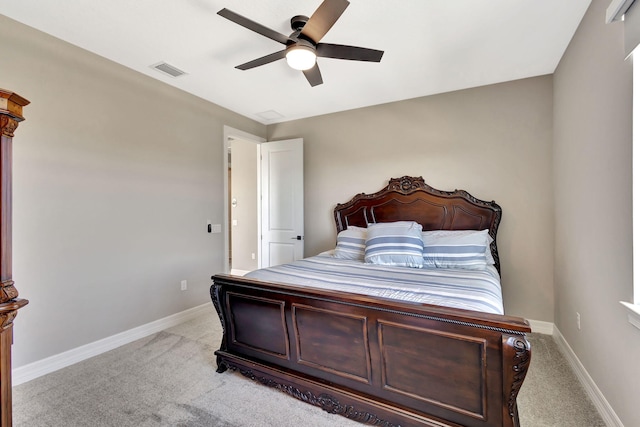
x,y
410,199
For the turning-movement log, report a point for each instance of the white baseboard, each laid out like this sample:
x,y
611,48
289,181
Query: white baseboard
x,y
540,327
50,364
606,411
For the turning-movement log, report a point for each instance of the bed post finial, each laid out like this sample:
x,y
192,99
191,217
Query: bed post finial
x,y
10,112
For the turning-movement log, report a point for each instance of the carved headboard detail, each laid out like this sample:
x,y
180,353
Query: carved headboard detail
x,y
410,199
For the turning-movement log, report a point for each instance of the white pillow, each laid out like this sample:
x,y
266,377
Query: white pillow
x,y
466,249
394,243
351,243
454,233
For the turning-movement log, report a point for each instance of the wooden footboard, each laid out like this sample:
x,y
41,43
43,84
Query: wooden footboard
x,y
377,361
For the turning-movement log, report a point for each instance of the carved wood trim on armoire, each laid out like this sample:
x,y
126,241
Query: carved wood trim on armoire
x,y
10,115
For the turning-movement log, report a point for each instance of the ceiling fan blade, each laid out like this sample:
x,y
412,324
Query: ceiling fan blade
x,y
354,53
313,75
253,26
262,61
323,19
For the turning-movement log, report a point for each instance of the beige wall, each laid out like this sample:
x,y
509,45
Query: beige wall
x,y
493,141
592,181
115,176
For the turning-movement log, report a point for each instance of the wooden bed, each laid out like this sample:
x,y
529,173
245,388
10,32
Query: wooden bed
x,y
375,360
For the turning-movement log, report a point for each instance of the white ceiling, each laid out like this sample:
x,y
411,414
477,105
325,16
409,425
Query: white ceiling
x,y
431,46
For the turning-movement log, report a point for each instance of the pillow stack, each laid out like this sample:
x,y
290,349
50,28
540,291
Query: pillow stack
x,y
404,244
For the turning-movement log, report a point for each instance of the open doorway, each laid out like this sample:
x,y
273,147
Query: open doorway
x,y
242,201
264,201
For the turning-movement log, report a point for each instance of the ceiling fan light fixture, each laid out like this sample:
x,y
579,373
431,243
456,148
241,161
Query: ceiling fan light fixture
x,y
301,57
301,46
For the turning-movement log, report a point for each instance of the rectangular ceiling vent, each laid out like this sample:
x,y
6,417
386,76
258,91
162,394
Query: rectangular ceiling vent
x,y
270,115
168,69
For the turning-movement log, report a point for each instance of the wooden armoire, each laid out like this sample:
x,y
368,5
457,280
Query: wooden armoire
x,y
10,115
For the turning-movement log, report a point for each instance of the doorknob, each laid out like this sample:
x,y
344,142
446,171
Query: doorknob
x,y
297,238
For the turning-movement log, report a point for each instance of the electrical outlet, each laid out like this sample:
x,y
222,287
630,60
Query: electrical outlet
x,y
578,320
253,256
183,285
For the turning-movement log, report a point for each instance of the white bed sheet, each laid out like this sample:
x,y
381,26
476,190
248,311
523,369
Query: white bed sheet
x,y
477,290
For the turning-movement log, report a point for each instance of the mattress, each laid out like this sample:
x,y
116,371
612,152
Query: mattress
x,y
477,290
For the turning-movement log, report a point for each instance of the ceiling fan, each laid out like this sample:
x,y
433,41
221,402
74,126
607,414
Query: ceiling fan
x,y
303,46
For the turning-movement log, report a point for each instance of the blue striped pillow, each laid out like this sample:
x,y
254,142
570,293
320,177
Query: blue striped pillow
x,y
456,250
351,243
394,243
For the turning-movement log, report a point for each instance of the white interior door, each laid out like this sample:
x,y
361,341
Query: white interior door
x,y
282,181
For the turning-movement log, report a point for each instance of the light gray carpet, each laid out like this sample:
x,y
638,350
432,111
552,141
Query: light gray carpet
x,y
169,379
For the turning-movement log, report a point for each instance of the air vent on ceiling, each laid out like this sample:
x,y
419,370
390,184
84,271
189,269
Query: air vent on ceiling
x,y
168,69
270,115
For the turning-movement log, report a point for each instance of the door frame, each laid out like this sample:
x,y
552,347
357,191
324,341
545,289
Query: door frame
x,y
230,132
